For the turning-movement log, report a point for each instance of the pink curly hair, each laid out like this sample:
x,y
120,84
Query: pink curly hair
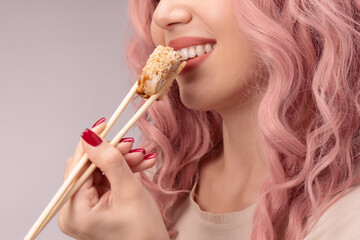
x,y
309,115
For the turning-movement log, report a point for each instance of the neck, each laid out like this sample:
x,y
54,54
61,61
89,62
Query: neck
x,y
242,161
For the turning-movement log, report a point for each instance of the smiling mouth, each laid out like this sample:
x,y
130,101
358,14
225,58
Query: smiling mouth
x,y
193,49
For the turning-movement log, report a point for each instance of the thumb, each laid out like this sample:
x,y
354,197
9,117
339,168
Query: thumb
x,y
109,159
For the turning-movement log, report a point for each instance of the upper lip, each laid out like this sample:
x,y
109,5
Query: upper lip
x,y
183,42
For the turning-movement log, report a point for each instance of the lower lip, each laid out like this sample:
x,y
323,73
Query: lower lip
x,y
194,63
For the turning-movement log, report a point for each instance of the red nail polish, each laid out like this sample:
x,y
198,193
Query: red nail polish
x,y
91,138
128,140
150,156
100,121
138,150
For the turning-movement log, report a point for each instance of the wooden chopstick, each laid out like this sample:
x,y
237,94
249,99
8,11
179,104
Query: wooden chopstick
x,y
60,200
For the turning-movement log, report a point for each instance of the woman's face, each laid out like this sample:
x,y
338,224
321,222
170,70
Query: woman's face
x,y
219,78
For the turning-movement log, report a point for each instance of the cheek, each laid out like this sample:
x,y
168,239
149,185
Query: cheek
x,y
225,80
157,35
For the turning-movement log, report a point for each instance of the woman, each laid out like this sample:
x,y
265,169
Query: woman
x,y
261,130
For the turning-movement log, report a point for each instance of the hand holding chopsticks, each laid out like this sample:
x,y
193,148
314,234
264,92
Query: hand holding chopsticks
x,y
73,182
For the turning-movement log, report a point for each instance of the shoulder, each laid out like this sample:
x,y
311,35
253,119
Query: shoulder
x,y
341,221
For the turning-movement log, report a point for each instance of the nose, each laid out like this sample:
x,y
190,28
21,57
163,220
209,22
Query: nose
x,y
169,13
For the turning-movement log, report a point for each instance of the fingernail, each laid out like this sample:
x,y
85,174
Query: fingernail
x,y
150,156
91,138
100,121
128,140
137,150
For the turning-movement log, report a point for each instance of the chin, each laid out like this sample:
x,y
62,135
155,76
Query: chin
x,y
194,96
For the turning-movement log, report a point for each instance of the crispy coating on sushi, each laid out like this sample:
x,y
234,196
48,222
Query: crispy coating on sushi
x,y
153,76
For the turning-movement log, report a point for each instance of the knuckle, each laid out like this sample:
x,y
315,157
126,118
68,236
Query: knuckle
x,y
73,228
64,223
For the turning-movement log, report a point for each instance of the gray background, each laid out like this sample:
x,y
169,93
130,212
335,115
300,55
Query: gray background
x,y
62,67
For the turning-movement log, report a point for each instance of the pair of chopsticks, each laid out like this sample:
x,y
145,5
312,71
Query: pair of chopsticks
x,y
72,183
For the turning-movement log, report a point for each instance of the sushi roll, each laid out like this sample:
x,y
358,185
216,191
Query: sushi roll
x,y
162,62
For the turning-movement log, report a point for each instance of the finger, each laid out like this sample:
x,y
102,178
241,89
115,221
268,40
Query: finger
x,y
98,127
135,156
148,162
101,190
97,176
100,180
125,145
84,198
103,186
105,182
110,161
87,195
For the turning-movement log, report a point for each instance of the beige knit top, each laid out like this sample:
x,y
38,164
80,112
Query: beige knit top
x,y
340,222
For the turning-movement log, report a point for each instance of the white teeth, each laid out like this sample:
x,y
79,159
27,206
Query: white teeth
x,y
184,53
200,50
208,48
194,51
